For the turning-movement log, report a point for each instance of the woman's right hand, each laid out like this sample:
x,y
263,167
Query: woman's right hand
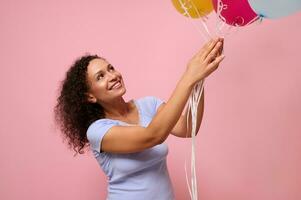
x,y
205,61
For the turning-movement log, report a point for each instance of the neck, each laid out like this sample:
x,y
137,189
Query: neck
x,y
116,108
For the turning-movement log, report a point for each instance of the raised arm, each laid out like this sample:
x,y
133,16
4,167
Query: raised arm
x,y
181,129
128,139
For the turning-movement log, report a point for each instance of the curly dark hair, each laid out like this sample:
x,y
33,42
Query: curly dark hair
x,y
73,113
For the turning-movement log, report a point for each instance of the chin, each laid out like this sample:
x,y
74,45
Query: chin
x,y
121,92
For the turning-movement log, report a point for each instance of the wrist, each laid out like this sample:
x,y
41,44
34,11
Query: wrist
x,y
187,81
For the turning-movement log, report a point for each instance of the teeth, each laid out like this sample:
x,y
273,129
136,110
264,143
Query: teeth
x,y
116,85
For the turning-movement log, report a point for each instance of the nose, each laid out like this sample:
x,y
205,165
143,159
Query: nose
x,y
113,76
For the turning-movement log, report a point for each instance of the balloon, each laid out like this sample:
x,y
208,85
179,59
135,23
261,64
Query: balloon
x,y
195,8
275,8
236,13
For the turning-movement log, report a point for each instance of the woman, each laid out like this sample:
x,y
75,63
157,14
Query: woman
x,y
127,138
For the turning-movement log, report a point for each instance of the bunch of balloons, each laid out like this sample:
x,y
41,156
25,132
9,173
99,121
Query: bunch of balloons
x,y
238,12
232,13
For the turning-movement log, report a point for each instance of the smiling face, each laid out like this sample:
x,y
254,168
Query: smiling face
x,y
104,81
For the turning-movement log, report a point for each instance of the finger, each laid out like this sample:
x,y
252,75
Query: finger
x,y
214,64
222,48
206,46
214,53
210,48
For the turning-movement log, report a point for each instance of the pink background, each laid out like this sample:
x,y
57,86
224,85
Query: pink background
x,y
249,144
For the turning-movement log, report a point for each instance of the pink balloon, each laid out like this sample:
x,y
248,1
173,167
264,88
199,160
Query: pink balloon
x,y
235,12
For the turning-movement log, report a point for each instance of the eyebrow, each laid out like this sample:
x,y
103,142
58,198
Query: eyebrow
x,y
109,65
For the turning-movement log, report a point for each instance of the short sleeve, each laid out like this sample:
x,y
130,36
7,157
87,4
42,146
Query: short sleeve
x,y
157,102
96,132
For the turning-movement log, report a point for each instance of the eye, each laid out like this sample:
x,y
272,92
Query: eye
x,y
112,68
99,76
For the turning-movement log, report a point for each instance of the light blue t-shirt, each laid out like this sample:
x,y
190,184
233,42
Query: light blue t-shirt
x,y
133,176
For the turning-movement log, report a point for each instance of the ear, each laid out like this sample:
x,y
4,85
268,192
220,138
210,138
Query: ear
x,y
91,98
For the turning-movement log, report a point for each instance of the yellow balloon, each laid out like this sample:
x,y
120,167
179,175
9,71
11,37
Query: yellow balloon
x,y
195,8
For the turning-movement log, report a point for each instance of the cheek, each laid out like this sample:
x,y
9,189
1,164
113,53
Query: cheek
x,y
100,86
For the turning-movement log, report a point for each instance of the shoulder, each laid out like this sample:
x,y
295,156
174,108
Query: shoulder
x,y
100,124
149,104
149,99
103,121
97,130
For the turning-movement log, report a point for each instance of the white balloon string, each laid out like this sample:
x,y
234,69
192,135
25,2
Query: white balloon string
x,y
221,21
187,182
197,91
193,102
186,5
220,18
187,125
203,18
196,94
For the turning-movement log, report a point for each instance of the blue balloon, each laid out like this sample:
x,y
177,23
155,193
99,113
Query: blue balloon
x,y
275,8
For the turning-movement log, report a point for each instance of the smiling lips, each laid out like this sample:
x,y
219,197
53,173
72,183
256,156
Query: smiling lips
x,y
115,85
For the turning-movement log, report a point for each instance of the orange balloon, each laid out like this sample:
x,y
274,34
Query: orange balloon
x,y
194,8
